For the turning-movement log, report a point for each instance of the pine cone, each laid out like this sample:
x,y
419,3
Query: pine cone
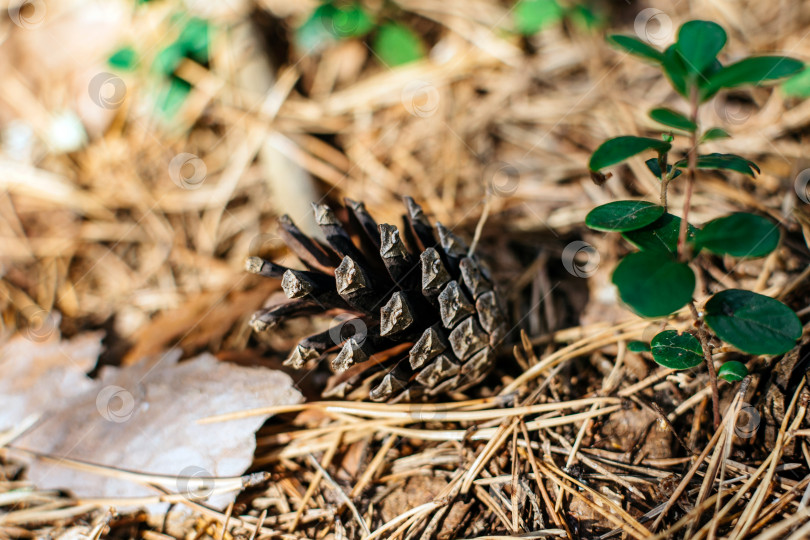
x,y
423,324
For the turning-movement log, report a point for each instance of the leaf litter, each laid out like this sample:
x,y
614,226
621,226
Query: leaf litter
x,y
114,436
103,235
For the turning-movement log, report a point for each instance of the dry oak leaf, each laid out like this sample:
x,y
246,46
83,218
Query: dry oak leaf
x,y
144,418
42,372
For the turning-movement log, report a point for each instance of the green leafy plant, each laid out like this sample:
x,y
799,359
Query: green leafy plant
x,y
171,91
658,280
393,42
532,16
798,85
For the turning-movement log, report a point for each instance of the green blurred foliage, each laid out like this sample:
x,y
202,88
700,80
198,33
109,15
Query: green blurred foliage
x,y
193,42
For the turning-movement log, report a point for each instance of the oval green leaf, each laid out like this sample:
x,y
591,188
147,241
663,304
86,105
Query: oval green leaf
x,y
798,85
638,346
675,70
171,96
168,59
732,371
653,286
586,18
396,44
699,42
660,236
655,168
315,33
351,21
673,119
623,215
739,235
753,323
124,58
705,91
531,16
714,134
616,150
753,70
636,47
730,162
675,351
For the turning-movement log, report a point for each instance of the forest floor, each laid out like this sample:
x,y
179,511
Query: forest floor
x,y
131,214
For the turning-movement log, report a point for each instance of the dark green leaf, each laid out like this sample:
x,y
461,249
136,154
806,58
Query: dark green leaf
x,y
798,85
316,32
699,42
531,16
123,58
638,346
732,371
351,21
653,286
739,235
655,168
676,351
396,44
623,215
168,59
714,134
675,70
753,323
673,119
754,70
636,47
195,39
172,95
661,236
585,18
614,151
729,162
703,79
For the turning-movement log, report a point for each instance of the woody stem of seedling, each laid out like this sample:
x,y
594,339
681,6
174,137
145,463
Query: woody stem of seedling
x,y
707,356
664,182
683,248
684,254
665,178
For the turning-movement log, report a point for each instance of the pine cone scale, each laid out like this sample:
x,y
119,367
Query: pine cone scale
x,y
429,315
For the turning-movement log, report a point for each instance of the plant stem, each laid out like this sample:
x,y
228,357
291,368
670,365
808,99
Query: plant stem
x,y
664,184
684,255
683,248
665,178
707,356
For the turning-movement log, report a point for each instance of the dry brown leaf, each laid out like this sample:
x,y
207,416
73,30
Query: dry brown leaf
x,y
143,418
41,372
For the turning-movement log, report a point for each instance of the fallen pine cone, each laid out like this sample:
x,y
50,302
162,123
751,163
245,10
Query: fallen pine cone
x,y
425,315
